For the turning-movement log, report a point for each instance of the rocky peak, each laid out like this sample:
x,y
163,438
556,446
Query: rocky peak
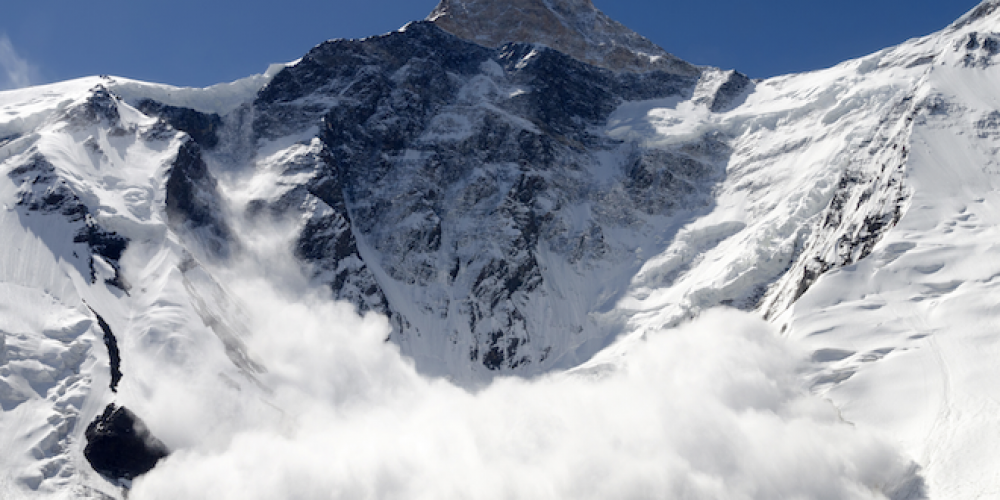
x,y
99,105
574,27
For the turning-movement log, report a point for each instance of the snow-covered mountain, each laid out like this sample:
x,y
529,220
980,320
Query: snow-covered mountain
x,y
538,209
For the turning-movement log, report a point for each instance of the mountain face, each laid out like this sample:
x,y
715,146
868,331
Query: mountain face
x,y
468,190
520,189
573,27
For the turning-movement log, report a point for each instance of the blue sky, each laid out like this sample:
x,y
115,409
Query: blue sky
x,y
198,43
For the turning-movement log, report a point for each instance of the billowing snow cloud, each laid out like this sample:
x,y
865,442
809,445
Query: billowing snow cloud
x,y
715,409
16,71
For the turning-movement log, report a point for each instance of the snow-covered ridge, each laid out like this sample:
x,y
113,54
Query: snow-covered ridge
x,y
221,98
982,11
23,110
86,194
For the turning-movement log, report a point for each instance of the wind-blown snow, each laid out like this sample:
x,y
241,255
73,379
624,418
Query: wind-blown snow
x,y
15,71
220,98
706,411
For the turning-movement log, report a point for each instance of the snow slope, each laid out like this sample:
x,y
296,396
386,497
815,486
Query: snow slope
x,y
903,339
914,337
84,183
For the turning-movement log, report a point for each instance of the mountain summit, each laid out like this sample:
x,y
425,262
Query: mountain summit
x,y
573,27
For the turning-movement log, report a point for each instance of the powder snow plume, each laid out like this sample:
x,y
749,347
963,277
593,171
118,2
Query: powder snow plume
x,y
713,409
17,72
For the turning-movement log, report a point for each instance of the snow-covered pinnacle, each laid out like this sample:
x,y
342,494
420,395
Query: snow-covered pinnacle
x,y
574,27
983,10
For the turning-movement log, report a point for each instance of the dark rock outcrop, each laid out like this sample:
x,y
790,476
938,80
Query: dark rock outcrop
x,y
868,201
192,200
202,127
120,446
114,355
42,190
101,106
732,92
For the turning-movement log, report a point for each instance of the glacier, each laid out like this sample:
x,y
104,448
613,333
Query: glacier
x,y
496,259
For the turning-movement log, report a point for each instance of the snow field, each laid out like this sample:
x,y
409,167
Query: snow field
x,y
916,321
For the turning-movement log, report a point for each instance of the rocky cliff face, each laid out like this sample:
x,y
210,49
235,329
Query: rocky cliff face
x,y
466,191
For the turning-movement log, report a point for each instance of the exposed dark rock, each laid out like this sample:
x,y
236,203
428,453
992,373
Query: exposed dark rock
x,y
654,172
114,354
359,67
202,127
865,205
989,125
100,107
120,446
980,49
569,97
326,241
732,92
192,200
107,244
42,190
811,271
